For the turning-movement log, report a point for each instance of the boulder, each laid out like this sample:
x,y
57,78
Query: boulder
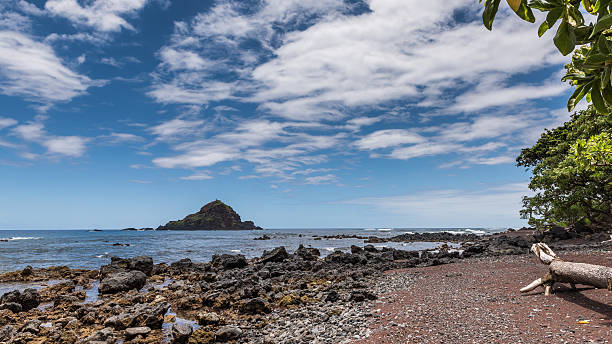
x,y
277,255
122,281
307,253
211,318
181,332
31,326
229,261
12,306
7,332
140,315
29,299
255,306
105,335
133,332
227,333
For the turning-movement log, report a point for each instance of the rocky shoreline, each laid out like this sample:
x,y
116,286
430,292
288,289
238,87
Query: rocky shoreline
x,y
280,297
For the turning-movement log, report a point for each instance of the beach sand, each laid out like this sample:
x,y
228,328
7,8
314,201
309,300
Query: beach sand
x,y
478,301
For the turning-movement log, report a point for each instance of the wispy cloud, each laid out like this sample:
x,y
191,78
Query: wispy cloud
x,y
102,15
34,131
32,70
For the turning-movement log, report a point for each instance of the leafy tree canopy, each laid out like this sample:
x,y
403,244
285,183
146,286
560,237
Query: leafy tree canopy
x,y
572,181
572,164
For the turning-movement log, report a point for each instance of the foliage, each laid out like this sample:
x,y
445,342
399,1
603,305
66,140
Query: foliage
x,y
572,164
572,176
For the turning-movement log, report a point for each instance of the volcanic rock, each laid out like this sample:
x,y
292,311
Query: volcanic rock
x,y
215,215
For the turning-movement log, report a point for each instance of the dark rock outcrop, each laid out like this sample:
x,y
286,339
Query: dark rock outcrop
x,y
213,216
122,281
16,301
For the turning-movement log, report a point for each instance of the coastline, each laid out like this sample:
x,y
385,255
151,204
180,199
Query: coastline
x,y
294,297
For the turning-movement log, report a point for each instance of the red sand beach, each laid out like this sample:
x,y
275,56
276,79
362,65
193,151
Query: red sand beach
x,y
478,301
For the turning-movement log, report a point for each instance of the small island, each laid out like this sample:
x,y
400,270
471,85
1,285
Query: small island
x,y
215,215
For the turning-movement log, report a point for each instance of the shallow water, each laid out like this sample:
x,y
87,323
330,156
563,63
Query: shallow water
x,y
89,250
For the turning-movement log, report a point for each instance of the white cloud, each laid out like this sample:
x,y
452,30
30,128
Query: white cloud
x,y
317,180
6,122
197,176
274,148
102,15
117,138
34,131
176,128
32,70
388,138
31,131
73,146
191,60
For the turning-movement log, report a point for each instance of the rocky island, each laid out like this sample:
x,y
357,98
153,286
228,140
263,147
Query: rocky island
x,y
215,215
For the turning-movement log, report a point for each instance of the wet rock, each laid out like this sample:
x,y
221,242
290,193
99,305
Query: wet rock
x,y
12,306
29,299
229,261
133,332
181,333
122,281
63,300
7,333
142,263
255,306
277,255
105,335
227,333
210,318
31,326
139,315
307,253
27,271
263,237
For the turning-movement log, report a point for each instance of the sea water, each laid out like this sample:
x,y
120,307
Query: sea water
x,y
90,249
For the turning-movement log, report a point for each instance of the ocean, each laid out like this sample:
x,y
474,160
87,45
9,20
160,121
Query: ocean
x,y
90,249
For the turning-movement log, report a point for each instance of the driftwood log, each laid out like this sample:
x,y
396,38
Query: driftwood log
x,y
567,272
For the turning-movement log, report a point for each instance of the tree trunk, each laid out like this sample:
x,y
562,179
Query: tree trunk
x,y
567,272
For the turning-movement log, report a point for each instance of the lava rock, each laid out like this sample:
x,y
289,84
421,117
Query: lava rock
x,y
211,318
122,281
229,261
181,333
7,332
139,315
227,333
133,332
255,306
277,255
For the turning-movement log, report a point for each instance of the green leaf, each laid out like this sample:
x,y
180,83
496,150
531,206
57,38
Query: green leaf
x,y
543,28
602,45
597,98
554,15
607,94
578,94
525,13
565,39
603,23
488,15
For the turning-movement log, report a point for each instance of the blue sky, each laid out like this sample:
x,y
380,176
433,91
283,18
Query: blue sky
x,y
309,113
